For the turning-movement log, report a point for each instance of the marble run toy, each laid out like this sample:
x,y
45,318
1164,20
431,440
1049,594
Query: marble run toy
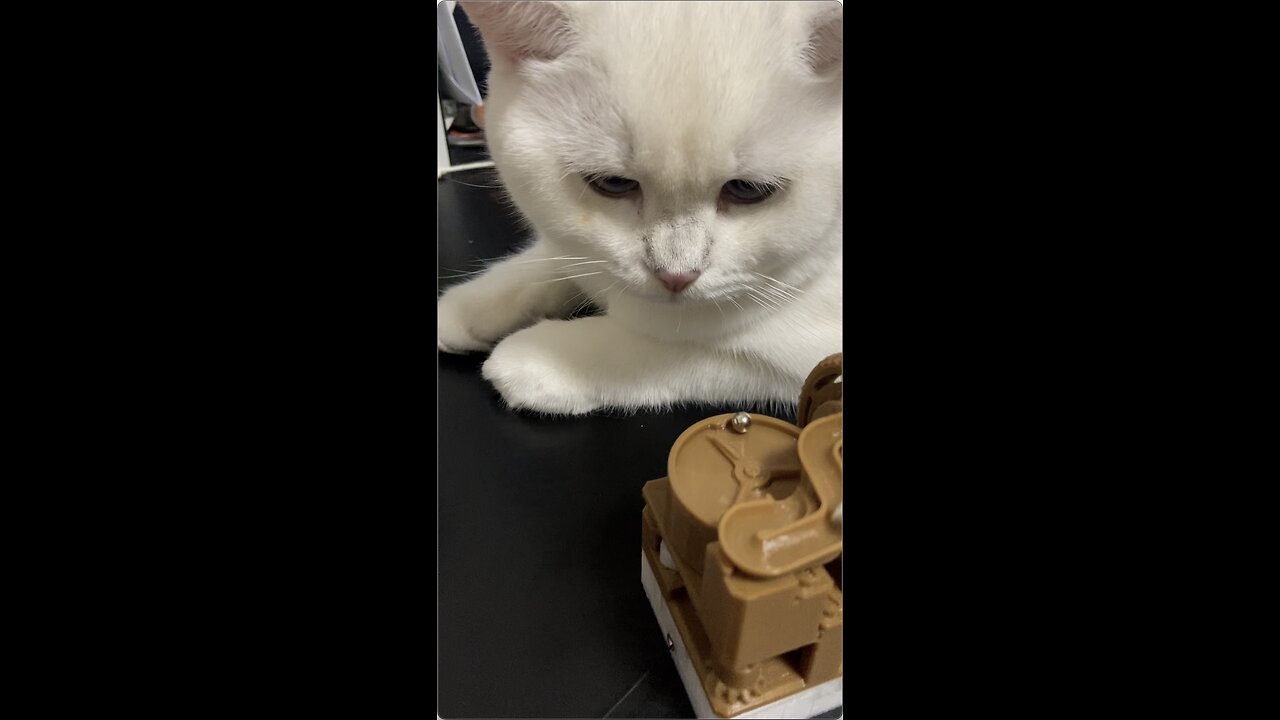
x,y
742,557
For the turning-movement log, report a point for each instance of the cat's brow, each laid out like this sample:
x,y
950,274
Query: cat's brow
x,y
597,166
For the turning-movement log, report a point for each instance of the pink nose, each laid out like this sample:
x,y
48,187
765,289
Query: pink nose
x,y
676,282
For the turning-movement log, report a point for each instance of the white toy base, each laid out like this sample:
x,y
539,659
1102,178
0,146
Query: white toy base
x,y
804,704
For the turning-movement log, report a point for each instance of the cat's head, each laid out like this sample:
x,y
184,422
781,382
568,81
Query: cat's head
x,y
691,146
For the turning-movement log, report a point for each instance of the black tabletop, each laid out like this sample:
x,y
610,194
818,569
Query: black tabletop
x,y
541,612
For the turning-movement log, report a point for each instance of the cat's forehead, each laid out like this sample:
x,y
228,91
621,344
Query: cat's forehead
x,y
716,35
694,63
686,96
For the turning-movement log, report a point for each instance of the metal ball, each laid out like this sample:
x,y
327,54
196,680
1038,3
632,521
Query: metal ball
x,y
740,422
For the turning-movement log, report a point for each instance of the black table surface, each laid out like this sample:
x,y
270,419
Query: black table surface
x,y
540,608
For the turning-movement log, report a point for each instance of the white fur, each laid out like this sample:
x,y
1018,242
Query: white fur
x,y
682,97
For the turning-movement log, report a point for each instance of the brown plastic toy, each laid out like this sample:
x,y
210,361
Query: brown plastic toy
x,y
741,559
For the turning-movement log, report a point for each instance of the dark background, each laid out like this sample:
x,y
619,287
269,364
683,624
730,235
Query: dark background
x,y
541,611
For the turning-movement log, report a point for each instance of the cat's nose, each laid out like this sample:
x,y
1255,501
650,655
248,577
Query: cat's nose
x,y
676,282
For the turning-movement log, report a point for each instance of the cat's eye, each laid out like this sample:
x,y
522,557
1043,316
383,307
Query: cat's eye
x,y
746,192
613,186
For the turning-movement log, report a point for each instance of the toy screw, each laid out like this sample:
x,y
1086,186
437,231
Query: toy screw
x,y
740,422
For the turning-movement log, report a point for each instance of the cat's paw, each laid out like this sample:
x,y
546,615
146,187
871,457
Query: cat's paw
x,y
457,330
538,369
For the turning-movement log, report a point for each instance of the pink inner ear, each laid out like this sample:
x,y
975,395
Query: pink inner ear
x,y
520,30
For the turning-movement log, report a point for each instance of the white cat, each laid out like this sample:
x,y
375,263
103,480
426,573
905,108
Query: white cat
x,y
681,166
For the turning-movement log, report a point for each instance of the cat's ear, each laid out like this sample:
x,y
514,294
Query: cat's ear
x,y
522,30
825,49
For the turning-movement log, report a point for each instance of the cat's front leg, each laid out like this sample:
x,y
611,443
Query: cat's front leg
x,y
574,367
510,295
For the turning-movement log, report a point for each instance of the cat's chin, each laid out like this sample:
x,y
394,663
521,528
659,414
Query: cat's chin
x,y
664,296
676,301
667,298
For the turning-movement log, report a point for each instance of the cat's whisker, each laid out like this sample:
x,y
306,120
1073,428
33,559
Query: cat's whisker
x,y
735,302
772,290
536,260
573,297
762,299
570,277
780,295
587,301
592,297
604,293
776,294
460,273
533,266
717,303
776,280
779,291
766,301
483,187
767,290
482,261
612,286
588,262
